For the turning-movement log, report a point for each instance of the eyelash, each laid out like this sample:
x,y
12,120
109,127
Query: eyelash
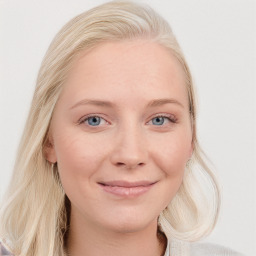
x,y
170,118
87,117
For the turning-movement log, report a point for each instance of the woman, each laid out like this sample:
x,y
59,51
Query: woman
x,y
109,163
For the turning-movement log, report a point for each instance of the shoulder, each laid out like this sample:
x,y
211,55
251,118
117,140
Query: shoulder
x,y
201,249
4,251
179,247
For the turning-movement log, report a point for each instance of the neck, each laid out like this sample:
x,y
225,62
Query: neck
x,y
90,240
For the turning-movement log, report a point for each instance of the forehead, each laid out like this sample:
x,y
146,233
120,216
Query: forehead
x,y
117,70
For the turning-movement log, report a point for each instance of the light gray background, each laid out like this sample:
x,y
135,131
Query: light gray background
x,y
217,37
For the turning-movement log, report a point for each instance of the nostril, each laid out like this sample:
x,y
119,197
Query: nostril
x,y
119,164
129,166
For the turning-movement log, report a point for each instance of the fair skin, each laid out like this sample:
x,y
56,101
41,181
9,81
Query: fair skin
x,y
122,165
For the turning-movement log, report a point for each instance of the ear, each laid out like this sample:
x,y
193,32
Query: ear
x,y
49,150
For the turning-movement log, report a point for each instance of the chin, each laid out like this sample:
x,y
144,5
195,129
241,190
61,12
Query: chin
x,y
130,223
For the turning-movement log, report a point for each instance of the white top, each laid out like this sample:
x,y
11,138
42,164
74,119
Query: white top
x,y
181,248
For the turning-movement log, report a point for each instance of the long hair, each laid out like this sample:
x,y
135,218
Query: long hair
x,y
34,218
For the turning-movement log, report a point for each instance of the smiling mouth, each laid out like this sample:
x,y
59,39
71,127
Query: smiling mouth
x,y
126,189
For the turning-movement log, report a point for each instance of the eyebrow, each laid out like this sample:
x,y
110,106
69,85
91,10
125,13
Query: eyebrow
x,y
160,102
102,103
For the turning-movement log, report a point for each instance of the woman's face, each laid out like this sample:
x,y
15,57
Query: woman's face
x,y
121,134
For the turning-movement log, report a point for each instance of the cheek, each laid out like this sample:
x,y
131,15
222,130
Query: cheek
x,y
171,157
172,154
78,157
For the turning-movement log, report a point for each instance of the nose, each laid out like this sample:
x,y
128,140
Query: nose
x,y
129,149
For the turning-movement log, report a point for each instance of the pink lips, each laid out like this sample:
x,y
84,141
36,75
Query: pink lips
x,y
126,189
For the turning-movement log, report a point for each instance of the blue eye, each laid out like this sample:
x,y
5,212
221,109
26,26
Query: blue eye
x,y
159,120
93,120
162,120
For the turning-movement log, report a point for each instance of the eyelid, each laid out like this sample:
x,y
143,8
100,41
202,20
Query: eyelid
x,y
81,120
171,117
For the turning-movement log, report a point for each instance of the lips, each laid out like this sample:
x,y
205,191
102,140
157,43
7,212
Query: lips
x,y
126,184
125,188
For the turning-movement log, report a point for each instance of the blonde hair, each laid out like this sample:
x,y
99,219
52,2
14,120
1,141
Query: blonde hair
x,y
34,217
